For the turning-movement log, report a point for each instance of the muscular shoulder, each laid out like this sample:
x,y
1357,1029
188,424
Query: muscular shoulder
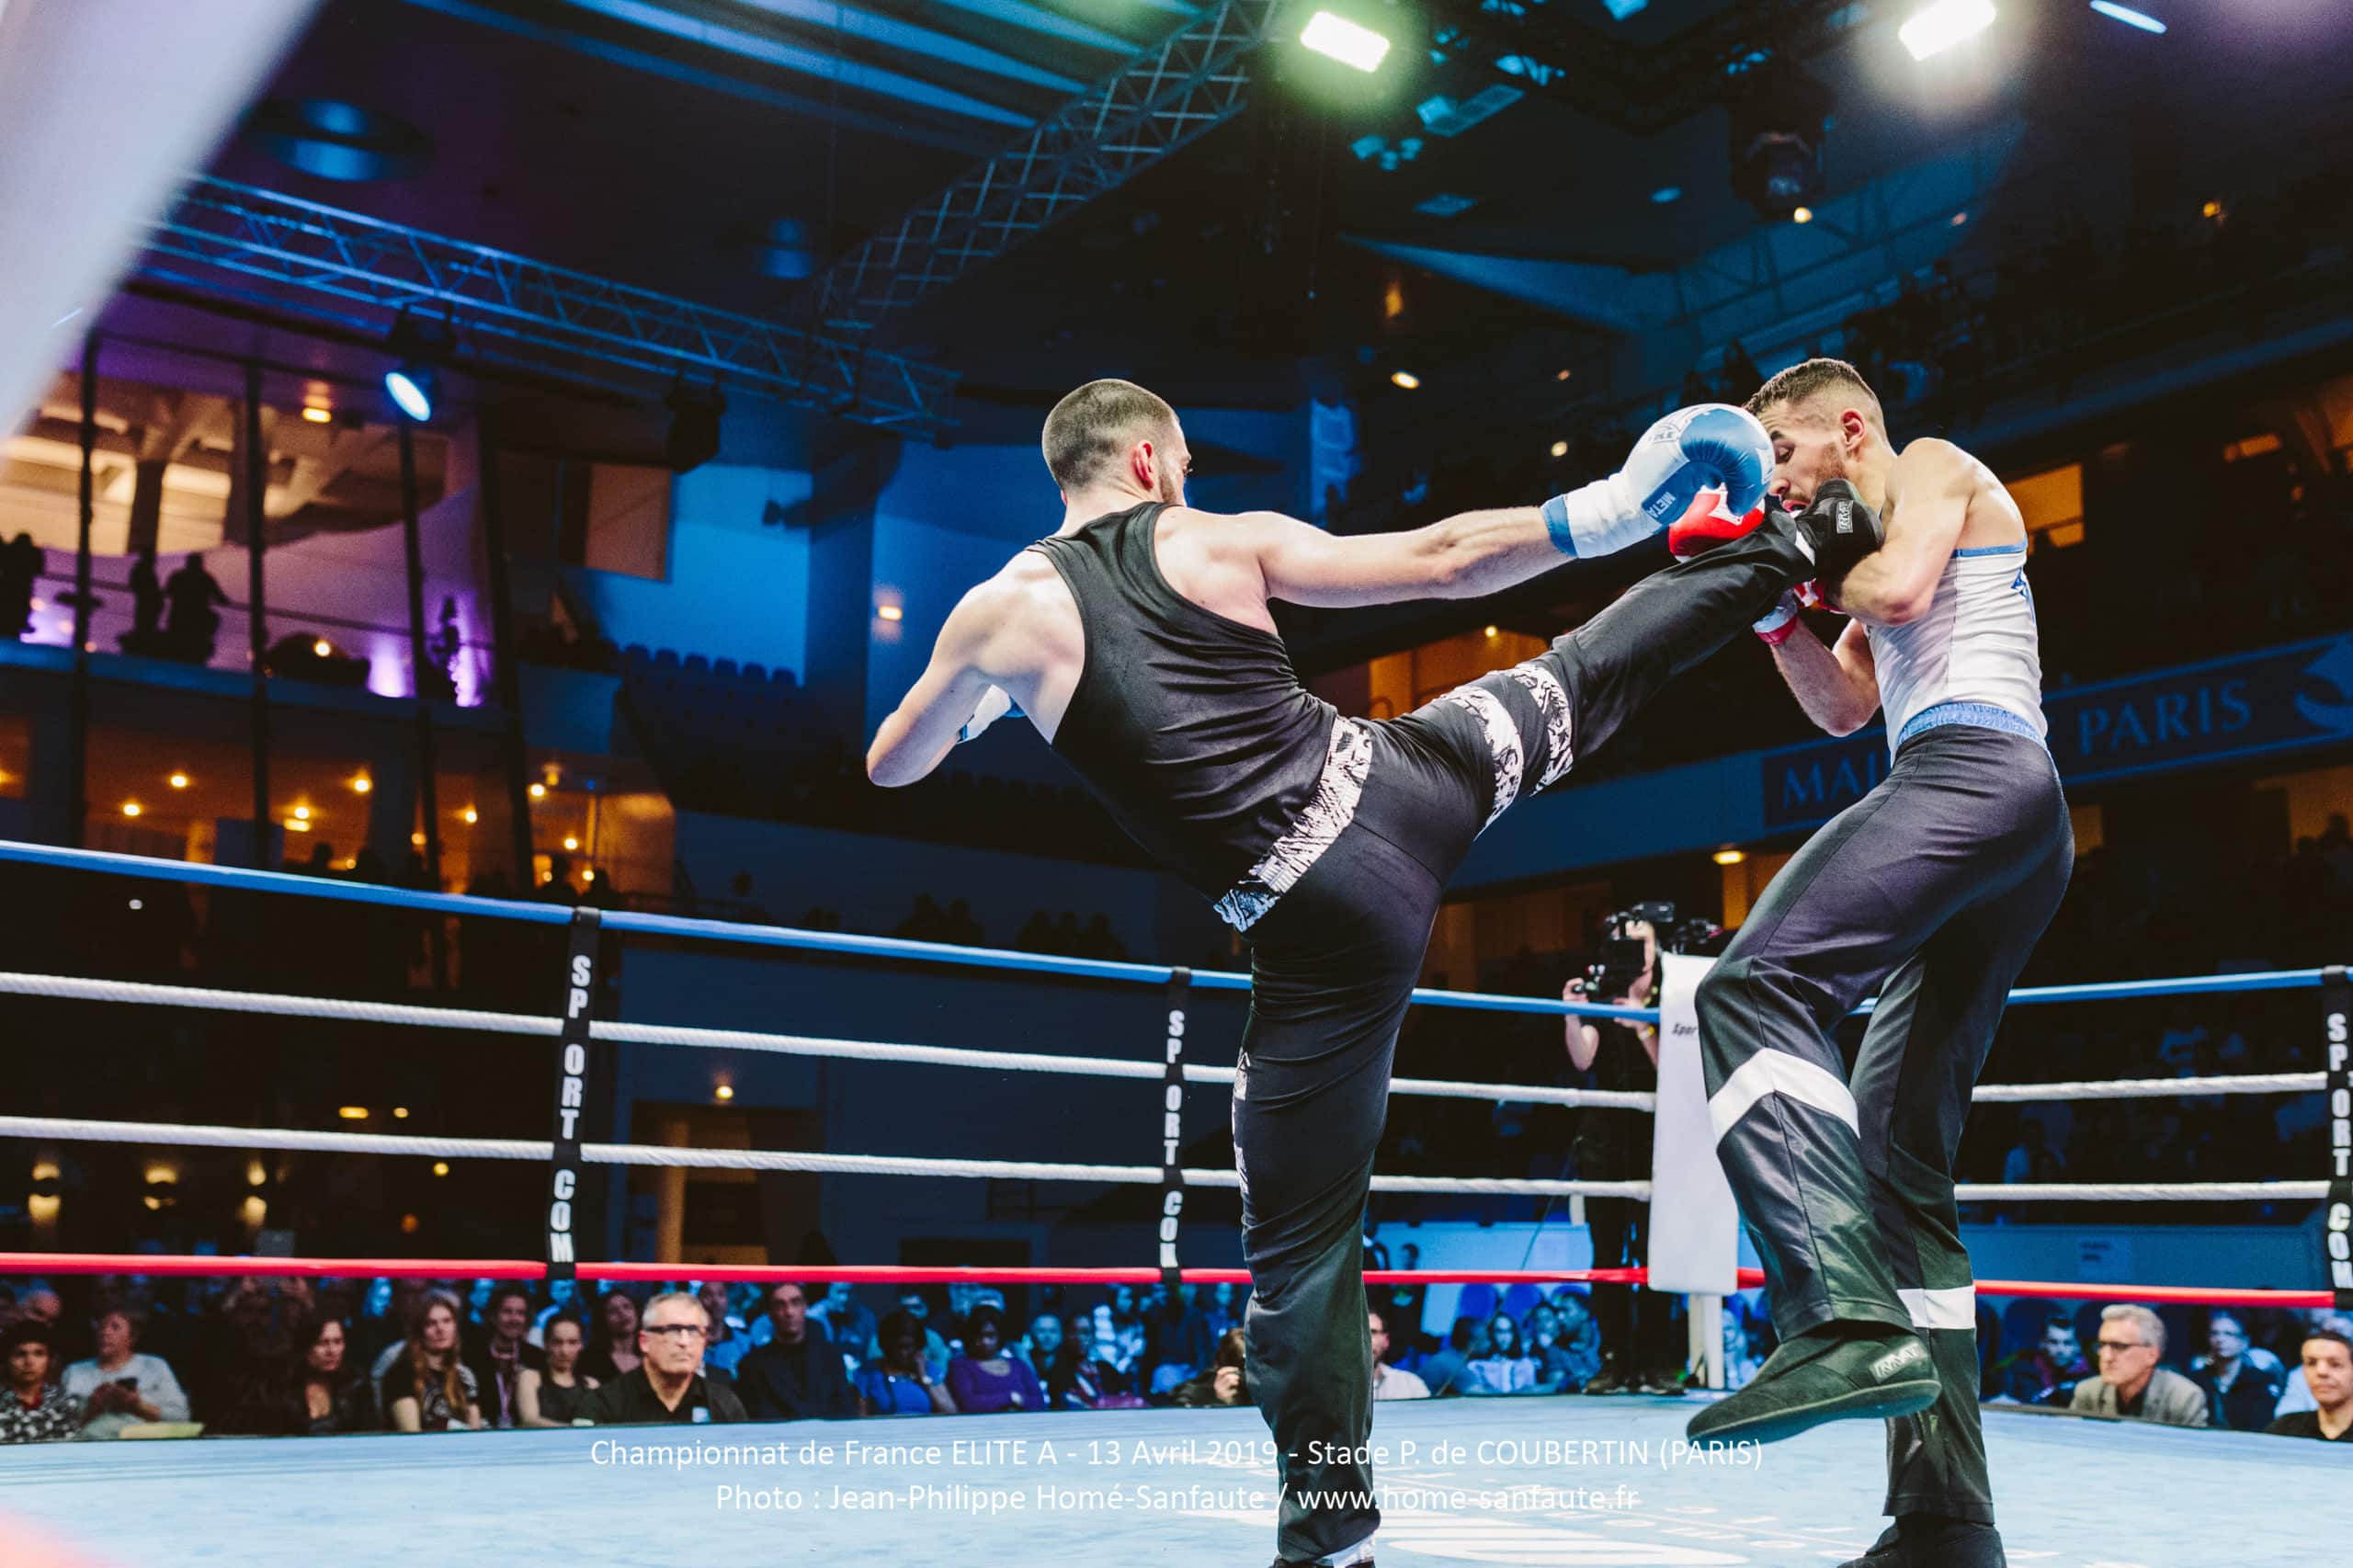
x,y
1934,463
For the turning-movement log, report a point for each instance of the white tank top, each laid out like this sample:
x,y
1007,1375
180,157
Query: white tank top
x,y
1974,658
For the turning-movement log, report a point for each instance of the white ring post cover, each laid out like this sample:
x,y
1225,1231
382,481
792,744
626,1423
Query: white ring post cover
x,y
1695,1226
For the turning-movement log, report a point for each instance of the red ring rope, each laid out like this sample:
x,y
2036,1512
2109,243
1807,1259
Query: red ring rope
x,y
25,1263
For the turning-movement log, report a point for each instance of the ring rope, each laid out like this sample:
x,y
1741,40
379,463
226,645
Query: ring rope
x,y
322,1141
198,872
137,993
74,988
165,1132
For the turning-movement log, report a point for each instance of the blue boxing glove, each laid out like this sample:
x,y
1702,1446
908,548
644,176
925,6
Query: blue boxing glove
x,y
1708,444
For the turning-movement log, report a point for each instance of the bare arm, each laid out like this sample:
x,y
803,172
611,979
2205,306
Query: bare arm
x,y
1461,557
1837,688
526,1400
922,731
1929,494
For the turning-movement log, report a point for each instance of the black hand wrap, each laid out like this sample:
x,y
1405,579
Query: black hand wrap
x,y
1840,530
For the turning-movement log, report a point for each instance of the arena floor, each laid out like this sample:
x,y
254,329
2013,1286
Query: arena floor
x,y
1159,1487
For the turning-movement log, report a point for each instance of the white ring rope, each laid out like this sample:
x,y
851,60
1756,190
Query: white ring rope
x,y
79,990
2157,1088
176,1134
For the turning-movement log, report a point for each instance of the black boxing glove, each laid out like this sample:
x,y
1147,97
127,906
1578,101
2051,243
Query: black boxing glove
x,y
1838,531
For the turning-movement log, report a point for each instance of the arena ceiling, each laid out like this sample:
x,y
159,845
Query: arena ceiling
x,y
722,149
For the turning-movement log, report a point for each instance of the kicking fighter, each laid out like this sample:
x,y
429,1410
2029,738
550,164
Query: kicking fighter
x,y
1930,891
1138,641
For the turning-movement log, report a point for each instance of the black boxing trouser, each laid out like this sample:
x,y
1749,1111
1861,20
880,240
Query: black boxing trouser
x,y
1931,891
1338,914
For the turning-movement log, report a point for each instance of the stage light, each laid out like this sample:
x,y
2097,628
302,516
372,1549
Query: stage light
x,y
571,844
400,1113
1405,379
302,814
1730,857
1560,375
362,784
2211,209
539,791
1667,193
440,1168
469,816
177,780
1777,129
693,439
352,1112
1560,449
132,808
2128,16
1938,26
1801,215
725,1092
317,415
891,612
1345,42
1492,630
411,384
296,825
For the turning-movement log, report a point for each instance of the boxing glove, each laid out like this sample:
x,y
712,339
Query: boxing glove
x,y
1708,444
1838,531
1708,523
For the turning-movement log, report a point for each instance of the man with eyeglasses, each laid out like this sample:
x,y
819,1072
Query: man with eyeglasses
x,y
2131,1383
667,1385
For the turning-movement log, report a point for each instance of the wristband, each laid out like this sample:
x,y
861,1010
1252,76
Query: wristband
x,y
1780,623
1595,519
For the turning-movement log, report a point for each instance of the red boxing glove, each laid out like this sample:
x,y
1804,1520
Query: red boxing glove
x,y
1782,622
1706,524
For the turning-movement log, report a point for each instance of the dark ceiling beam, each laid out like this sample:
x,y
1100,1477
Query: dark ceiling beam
x,y
1637,87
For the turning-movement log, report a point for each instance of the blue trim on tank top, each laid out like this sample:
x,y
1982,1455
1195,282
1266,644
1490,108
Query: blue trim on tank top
x,y
2017,549
1984,715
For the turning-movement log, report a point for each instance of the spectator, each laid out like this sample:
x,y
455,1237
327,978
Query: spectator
x,y
1741,1363
36,1408
192,619
914,1305
334,1396
1444,1370
431,1389
550,1394
1223,1382
847,1322
41,1302
1100,1382
2328,1370
1052,1357
1507,1367
984,1379
21,564
2131,1382
119,1388
613,1354
2047,1374
377,1332
499,1356
1566,1340
2239,1394
728,1337
798,1374
667,1385
899,1381
1388,1382
2297,1395
1177,1342
1225,1307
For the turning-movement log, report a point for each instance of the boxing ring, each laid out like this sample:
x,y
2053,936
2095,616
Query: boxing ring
x,y
1554,1481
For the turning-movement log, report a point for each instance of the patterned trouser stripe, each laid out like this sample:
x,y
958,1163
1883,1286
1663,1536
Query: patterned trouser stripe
x,y
1503,742
1553,701
1346,766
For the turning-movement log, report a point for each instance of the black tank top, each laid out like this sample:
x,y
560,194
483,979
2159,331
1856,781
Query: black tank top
x,y
1193,729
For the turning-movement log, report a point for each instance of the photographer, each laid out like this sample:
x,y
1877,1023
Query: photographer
x,y
1614,1145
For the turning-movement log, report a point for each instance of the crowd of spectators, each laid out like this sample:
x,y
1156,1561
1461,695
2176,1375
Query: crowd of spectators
x,y
260,1358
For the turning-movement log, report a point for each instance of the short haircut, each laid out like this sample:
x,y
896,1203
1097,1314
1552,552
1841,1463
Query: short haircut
x,y
1376,1313
668,1296
2148,1324
500,1292
767,1297
1088,430
1807,379
2332,1336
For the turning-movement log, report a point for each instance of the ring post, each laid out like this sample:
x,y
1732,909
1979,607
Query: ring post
x,y
571,1059
2336,1053
1172,1129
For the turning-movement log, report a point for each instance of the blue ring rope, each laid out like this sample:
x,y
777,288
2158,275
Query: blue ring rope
x,y
301,886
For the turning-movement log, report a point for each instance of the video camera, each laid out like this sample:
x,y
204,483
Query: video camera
x,y
1622,957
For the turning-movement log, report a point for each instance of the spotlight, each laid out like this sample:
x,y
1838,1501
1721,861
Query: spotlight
x,y
469,816
891,612
2128,16
1405,379
694,426
1667,193
413,384
1492,630
317,415
132,808
1730,857
1560,449
440,1168
1777,135
1801,215
177,781
1944,25
539,791
352,1112
1345,42
302,814
725,1092
362,784
571,844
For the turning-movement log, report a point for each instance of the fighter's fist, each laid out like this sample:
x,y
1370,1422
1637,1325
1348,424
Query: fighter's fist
x,y
1708,444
